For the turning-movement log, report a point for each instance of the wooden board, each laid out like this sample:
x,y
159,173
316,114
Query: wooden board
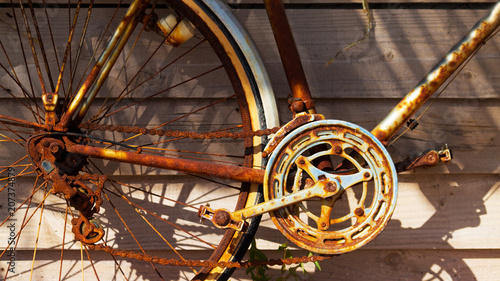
x,y
403,47
446,220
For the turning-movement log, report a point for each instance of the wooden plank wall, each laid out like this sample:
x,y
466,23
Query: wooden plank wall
x,y
445,226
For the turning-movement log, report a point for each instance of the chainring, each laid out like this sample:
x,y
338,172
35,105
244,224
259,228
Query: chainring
x,y
357,212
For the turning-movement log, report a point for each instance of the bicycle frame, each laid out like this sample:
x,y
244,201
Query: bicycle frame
x,y
438,75
302,100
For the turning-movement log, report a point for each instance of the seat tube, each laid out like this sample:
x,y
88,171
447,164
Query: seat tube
x,y
289,55
128,19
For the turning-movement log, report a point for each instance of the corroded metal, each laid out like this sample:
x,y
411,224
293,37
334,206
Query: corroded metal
x,y
292,172
289,57
50,101
203,168
52,162
428,158
108,66
327,185
438,75
178,134
87,231
222,218
299,120
207,263
128,20
55,165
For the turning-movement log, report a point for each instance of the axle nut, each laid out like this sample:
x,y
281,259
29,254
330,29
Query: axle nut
x,y
222,218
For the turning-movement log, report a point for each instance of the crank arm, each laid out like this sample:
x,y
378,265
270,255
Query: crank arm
x,y
328,185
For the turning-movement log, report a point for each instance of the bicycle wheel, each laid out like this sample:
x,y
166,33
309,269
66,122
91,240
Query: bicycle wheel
x,y
181,96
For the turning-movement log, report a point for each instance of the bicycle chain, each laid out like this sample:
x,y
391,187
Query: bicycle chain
x,y
199,263
184,262
177,134
96,195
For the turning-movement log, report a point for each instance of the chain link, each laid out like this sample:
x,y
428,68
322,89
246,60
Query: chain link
x,y
199,263
183,262
177,134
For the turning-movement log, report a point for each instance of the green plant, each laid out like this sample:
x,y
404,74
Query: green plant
x,y
259,272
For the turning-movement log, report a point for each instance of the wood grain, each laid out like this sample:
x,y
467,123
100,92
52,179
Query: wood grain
x,y
446,222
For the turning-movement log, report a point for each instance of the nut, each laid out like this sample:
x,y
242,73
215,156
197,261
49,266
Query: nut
x,y
331,186
338,149
222,217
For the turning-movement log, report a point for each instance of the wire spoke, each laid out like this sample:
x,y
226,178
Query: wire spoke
x,y
38,234
91,262
68,49
163,91
155,215
33,47
130,232
18,31
63,241
23,223
82,39
54,48
125,93
42,47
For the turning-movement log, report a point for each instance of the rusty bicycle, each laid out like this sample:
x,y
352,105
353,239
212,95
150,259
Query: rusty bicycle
x,y
142,125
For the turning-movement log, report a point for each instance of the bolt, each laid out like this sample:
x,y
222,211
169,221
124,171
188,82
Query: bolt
x,y
431,158
359,212
323,224
337,149
331,186
55,148
45,143
222,218
366,174
302,162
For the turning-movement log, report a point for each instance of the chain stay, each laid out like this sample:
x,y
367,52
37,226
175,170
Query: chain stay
x,y
183,262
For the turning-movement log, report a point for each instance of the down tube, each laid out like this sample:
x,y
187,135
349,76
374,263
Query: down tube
x,y
438,75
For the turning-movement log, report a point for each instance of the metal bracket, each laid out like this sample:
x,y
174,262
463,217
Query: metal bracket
x,y
50,101
426,159
326,185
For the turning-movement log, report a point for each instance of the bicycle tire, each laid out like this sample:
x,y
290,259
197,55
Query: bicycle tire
x,y
252,95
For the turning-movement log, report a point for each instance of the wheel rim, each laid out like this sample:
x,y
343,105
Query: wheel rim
x,y
127,115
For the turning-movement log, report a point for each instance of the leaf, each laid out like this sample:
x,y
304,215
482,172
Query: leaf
x,y
316,263
282,247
